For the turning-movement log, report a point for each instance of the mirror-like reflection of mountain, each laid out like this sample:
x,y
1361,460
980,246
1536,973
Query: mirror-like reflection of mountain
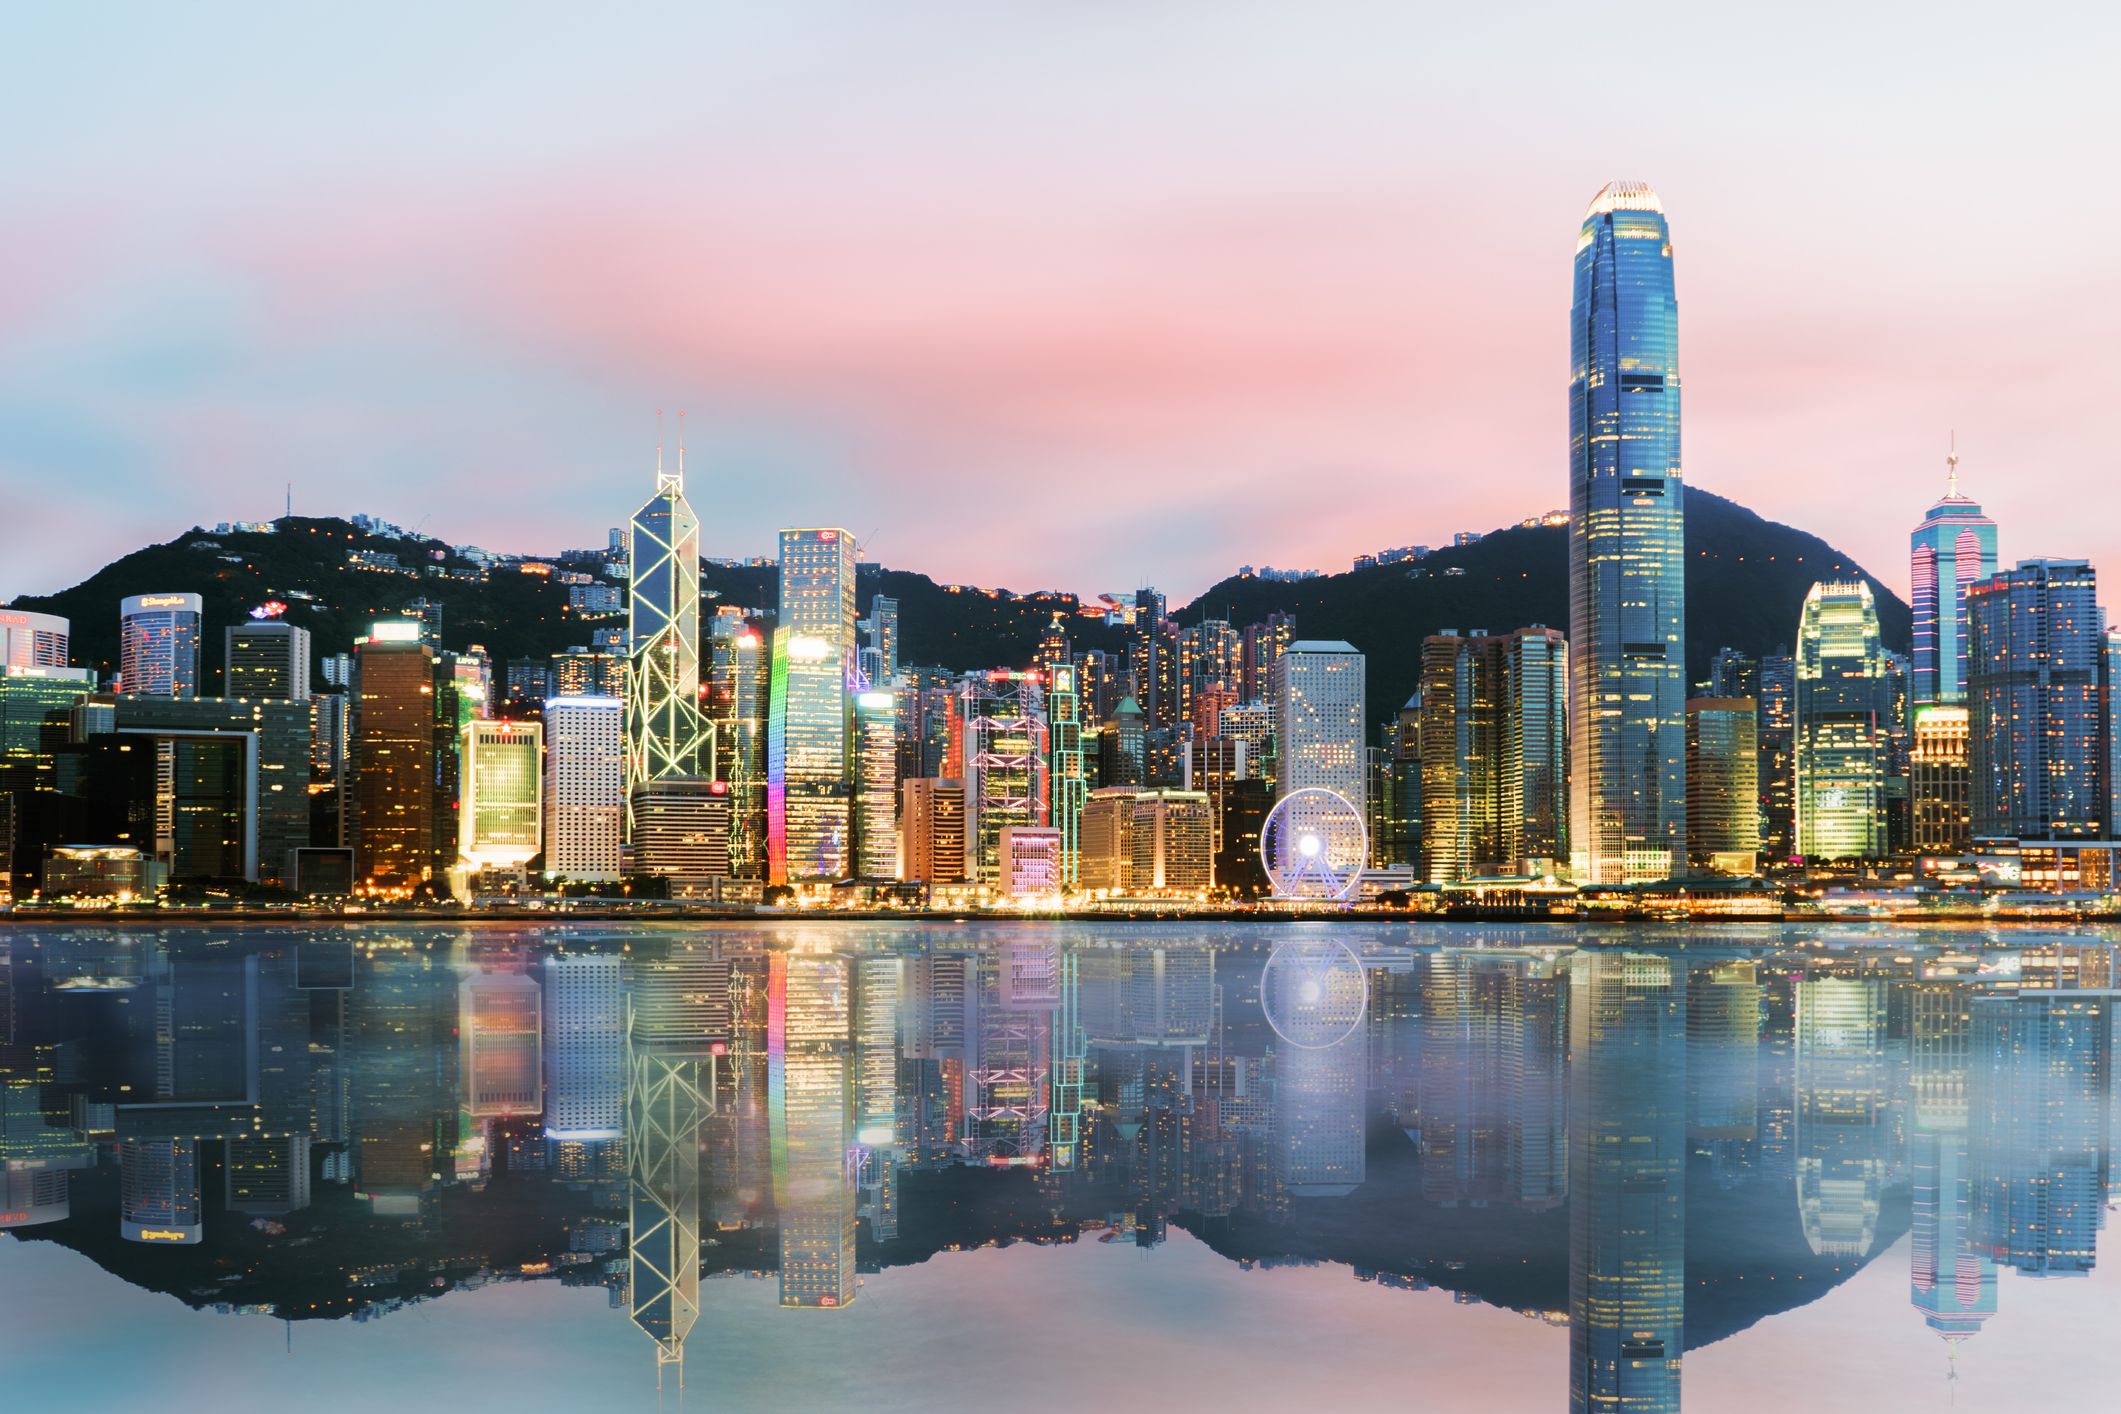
x,y
1656,1140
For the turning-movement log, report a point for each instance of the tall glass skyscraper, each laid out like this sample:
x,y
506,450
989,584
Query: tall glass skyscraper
x,y
1627,547
665,734
810,714
2036,648
1954,547
1840,724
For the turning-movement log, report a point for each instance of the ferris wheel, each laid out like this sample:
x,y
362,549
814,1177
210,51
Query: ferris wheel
x,y
1314,845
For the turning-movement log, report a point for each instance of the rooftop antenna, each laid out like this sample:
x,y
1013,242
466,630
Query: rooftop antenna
x,y
1951,463
290,500
681,446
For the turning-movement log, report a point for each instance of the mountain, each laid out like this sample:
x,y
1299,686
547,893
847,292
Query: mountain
x,y
1746,578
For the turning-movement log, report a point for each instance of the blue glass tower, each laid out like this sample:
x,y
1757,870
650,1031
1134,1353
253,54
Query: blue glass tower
x,y
2036,649
1627,547
1954,547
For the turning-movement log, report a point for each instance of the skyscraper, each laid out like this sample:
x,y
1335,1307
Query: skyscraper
x,y
1953,548
585,787
2036,647
1840,725
739,678
1723,782
809,741
1940,782
1494,753
1003,721
158,645
810,727
1627,547
1065,781
876,786
932,829
499,814
394,758
266,658
665,735
1778,755
1319,719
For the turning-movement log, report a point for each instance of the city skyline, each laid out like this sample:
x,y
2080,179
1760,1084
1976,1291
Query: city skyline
x,y
841,336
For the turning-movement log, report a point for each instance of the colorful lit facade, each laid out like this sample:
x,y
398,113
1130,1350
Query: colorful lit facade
x,y
809,740
1627,547
810,729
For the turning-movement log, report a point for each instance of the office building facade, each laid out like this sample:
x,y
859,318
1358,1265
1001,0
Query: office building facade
x,y
585,788
267,658
1840,726
1627,547
158,644
1723,783
2036,649
500,807
1953,549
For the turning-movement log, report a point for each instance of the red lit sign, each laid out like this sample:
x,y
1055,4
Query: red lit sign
x,y
270,609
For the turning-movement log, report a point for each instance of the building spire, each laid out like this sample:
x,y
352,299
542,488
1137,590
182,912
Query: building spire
x,y
1951,464
667,481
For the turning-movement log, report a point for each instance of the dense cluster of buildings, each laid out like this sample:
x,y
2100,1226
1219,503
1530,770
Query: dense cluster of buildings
x,y
719,751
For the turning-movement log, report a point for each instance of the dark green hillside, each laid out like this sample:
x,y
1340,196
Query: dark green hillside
x,y
1746,580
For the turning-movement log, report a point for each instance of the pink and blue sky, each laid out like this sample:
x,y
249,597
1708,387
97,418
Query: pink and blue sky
x,y
1074,295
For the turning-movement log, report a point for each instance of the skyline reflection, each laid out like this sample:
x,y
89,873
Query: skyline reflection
x,y
1656,1147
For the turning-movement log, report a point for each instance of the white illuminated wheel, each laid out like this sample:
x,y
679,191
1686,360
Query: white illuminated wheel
x,y
1314,845
1314,993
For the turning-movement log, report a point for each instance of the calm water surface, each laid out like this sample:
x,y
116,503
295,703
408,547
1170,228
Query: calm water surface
x,y
1057,1166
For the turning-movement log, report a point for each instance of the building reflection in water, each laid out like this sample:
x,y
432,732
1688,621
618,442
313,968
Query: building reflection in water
x,y
677,1017
1627,1180
354,1123
1951,1279
1841,1121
